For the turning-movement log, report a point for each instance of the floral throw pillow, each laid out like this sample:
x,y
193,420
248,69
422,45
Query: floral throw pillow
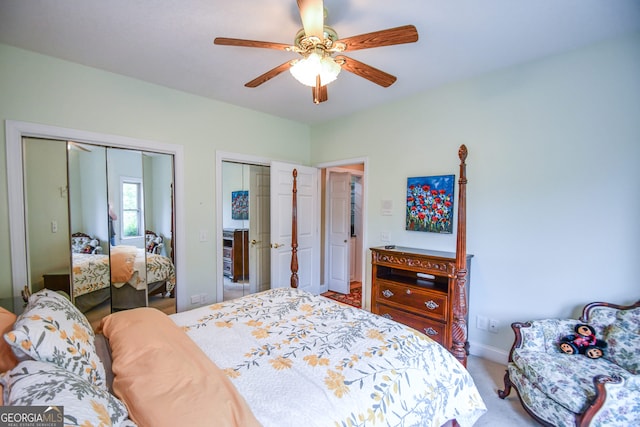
x,y
38,383
623,339
51,329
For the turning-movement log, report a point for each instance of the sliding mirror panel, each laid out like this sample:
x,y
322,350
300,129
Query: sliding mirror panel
x,y
126,216
46,213
89,236
158,212
245,222
259,227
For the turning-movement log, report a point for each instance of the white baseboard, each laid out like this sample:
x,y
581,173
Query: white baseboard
x,y
490,353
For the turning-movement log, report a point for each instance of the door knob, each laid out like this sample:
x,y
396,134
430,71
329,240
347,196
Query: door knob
x,y
276,245
254,241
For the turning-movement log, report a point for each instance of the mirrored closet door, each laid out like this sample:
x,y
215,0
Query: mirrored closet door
x,y
246,229
99,223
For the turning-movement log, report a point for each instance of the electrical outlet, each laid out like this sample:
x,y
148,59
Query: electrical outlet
x,y
384,236
482,323
203,298
203,236
493,326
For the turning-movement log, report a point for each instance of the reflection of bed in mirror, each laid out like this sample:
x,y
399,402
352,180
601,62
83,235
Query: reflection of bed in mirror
x,y
83,243
132,281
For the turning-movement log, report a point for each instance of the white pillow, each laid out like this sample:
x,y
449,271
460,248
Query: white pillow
x,y
51,329
34,383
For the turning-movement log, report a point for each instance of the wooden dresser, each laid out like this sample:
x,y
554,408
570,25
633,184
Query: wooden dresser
x,y
58,281
416,287
235,254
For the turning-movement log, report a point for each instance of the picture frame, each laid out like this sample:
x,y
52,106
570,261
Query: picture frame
x,y
430,204
240,204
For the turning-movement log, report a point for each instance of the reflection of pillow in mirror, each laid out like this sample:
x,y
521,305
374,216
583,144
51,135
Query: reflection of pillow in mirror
x,y
87,249
38,383
51,329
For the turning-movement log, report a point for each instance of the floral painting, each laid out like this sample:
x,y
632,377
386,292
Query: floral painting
x,y
430,203
240,205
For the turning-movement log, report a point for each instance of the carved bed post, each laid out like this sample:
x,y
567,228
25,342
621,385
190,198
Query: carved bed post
x,y
460,309
294,231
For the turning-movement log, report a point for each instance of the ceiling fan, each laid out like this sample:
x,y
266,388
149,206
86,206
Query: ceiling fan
x,y
321,49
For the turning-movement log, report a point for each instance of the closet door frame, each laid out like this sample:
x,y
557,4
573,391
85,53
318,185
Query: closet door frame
x,y
15,131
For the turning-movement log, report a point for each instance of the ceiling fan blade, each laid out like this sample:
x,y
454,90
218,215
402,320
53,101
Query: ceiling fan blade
x,y
367,71
319,92
250,43
269,75
312,16
391,36
77,146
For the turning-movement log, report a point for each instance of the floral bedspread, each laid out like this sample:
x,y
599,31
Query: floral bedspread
x,y
300,359
91,272
160,267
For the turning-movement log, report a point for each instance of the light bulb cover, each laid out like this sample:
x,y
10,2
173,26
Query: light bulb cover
x,y
306,69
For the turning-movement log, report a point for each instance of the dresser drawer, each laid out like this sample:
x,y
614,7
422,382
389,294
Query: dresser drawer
x,y
434,330
226,252
226,267
431,303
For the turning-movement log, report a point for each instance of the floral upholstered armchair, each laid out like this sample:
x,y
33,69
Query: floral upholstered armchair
x,y
153,242
558,389
82,243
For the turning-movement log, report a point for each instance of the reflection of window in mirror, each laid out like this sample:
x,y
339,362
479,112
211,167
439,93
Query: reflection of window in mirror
x,y
131,207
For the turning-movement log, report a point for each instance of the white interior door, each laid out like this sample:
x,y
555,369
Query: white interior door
x,y
339,231
308,226
259,228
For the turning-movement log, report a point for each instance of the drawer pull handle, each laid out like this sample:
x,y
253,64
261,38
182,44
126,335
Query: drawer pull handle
x,y
431,305
430,331
387,316
408,291
387,293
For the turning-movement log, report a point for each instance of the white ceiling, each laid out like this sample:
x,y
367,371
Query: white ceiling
x,y
170,42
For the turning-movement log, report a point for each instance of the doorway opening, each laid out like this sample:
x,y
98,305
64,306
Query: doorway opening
x,y
343,224
353,221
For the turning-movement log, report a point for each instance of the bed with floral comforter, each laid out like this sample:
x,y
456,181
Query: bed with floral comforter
x,y
300,359
91,272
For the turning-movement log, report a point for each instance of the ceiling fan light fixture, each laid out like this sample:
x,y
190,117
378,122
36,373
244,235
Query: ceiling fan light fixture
x,y
306,69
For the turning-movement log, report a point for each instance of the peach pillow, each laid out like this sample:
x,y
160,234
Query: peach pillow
x,y
164,378
7,358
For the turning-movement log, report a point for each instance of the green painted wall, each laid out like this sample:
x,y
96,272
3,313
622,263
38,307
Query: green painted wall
x,y
553,200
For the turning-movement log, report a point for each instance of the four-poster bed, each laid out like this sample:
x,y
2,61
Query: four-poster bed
x,y
282,357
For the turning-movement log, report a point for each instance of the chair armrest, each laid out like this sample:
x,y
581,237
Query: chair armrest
x,y
615,403
541,335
